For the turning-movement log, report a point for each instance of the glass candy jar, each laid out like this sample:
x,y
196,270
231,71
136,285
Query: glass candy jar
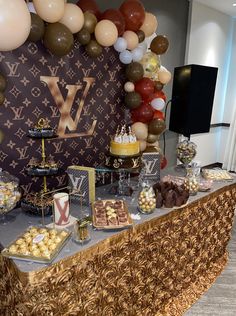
x,y
191,182
147,200
9,194
186,151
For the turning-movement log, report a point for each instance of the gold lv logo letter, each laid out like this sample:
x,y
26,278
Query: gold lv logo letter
x,y
64,106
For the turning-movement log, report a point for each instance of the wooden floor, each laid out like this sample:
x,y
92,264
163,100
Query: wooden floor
x,y
220,299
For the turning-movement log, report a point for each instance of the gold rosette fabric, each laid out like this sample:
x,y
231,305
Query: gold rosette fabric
x,y
160,267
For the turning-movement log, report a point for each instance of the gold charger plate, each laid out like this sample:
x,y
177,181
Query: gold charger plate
x,y
110,227
36,240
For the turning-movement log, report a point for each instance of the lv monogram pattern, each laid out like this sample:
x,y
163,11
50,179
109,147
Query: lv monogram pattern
x,y
80,97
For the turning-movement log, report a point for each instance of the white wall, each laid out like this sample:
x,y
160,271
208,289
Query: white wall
x,y
210,44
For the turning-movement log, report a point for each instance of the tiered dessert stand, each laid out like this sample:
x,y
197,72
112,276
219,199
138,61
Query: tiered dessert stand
x,y
36,203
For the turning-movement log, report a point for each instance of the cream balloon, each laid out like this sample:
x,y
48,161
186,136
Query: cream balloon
x,y
15,23
164,76
149,25
106,33
140,130
73,17
131,39
50,10
129,86
142,145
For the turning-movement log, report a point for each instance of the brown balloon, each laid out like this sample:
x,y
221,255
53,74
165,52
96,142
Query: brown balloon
x,y
116,17
132,100
93,49
152,138
3,83
37,28
141,36
2,98
159,44
90,21
158,85
156,126
134,71
89,5
83,36
58,39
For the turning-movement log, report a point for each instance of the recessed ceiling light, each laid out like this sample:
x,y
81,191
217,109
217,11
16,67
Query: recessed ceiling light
x,y
234,4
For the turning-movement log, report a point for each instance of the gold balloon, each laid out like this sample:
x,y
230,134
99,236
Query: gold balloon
x,y
1,136
2,98
151,64
152,138
90,21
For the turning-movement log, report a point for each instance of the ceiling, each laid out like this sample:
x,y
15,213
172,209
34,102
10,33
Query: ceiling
x,y
225,6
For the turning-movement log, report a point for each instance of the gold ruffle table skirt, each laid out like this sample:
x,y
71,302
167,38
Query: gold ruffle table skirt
x,y
160,267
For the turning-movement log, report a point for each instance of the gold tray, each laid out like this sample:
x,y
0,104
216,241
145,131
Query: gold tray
x,y
217,175
35,240
109,227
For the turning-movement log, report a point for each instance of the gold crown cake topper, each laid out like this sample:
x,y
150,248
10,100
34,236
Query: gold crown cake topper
x,y
124,135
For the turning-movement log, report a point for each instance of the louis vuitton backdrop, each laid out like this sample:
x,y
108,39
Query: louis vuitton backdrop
x,y
79,96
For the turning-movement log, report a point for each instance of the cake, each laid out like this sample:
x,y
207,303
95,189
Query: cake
x,y
124,150
124,143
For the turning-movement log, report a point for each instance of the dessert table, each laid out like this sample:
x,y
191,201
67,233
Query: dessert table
x,y
159,266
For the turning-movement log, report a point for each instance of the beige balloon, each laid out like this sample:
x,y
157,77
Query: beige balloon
x,y
149,25
131,39
50,10
15,23
142,145
140,130
73,17
106,33
129,86
164,76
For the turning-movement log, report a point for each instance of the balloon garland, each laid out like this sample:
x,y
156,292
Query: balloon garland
x,y
129,29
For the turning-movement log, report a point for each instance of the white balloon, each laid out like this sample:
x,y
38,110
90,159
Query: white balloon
x,y
15,23
137,54
129,86
143,46
158,104
73,17
50,10
31,7
125,57
120,45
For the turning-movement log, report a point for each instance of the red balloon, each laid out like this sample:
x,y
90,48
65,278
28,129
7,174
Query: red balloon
x,y
163,162
89,5
159,114
145,87
134,14
116,17
157,94
144,113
